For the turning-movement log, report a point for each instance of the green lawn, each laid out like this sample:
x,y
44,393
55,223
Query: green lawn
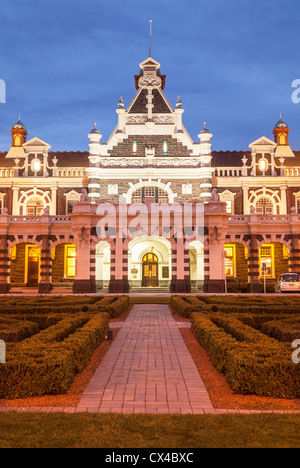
x,y
33,430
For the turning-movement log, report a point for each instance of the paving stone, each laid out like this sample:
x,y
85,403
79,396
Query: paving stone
x,y
148,368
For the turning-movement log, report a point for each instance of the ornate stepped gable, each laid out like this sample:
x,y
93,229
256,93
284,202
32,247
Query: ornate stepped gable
x,y
143,142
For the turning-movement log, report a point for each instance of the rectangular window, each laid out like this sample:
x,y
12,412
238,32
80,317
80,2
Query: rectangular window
x,y
230,260
298,205
134,147
165,149
229,207
70,261
266,261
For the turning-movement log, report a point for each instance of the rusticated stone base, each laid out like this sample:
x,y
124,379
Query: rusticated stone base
x,y
214,286
5,288
254,287
180,286
45,288
84,287
119,286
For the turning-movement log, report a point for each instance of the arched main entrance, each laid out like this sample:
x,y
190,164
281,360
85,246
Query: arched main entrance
x,y
149,263
150,271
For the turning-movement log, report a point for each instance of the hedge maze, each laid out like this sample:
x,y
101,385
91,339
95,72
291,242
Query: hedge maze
x,y
50,340
249,340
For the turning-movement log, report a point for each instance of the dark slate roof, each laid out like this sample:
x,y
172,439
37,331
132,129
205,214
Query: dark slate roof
x,y
6,162
229,158
140,104
70,158
291,162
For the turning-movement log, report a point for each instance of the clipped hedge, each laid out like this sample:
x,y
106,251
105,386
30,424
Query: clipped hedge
x,y
252,362
13,331
185,306
42,366
286,330
116,308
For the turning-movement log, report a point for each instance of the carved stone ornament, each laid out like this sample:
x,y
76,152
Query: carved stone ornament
x,y
84,195
137,119
154,81
214,195
163,120
141,162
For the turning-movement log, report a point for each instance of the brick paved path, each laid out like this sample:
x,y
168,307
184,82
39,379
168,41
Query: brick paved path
x,y
148,369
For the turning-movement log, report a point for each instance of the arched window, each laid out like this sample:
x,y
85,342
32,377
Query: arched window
x,y
264,206
34,207
150,195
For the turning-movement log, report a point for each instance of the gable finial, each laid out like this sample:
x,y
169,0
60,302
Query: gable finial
x,y
150,49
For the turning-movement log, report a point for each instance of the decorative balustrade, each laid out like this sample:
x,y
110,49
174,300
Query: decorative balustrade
x,y
265,219
239,219
228,172
36,219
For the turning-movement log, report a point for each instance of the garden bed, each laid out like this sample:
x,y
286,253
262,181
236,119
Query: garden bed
x,y
242,344
60,347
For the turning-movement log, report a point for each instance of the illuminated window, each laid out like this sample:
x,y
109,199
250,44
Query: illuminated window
x,y
165,149
229,207
150,258
230,260
266,260
70,261
13,253
263,165
36,165
286,252
134,147
264,206
34,207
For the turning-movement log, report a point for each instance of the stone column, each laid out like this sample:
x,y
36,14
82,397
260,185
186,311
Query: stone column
x,y
294,260
4,266
119,266
254,285
15,201
180,257
45,284
216,222
85,281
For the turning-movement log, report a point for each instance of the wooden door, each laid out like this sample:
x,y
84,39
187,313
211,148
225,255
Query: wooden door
x,y
150,271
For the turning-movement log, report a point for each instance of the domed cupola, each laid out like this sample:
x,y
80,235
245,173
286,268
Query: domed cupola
x,y
19,134
281,133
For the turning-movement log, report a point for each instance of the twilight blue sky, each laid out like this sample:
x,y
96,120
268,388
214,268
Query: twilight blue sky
x,y
66,64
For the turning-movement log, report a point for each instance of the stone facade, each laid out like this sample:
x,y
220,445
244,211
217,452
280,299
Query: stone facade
x,y
53,199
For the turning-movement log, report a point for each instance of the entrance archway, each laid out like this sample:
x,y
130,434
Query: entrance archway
x,y
150,271
149,257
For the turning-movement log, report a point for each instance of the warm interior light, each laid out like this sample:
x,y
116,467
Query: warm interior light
x,y
263,165
36,165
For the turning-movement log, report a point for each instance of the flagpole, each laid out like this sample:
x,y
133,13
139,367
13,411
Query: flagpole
x,y
150,50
